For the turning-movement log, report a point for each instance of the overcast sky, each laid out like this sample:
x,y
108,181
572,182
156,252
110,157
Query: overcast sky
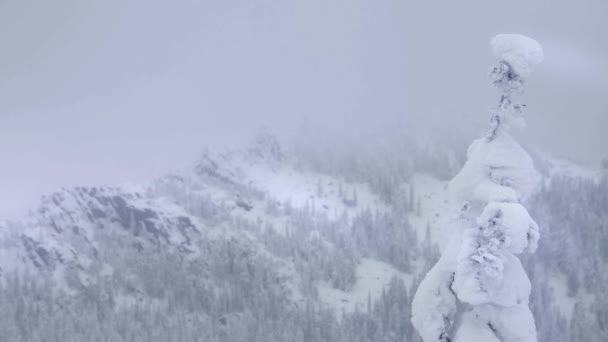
x,y
99,92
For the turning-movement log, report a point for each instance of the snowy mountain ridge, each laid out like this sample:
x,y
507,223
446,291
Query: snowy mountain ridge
x,y
236,225
63,234
235,179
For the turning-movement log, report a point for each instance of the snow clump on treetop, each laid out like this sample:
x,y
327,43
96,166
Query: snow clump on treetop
x,y
520,52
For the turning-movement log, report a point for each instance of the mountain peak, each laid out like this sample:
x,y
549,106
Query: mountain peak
x,y
266,146
227,166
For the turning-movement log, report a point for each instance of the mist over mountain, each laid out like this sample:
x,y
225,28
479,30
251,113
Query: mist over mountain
x,y
327,244
112,91
303,171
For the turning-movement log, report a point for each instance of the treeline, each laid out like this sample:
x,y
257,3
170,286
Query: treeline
x,y
573,252
34,311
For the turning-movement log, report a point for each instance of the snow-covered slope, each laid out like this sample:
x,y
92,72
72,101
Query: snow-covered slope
x,y
242,231
68,236
373,277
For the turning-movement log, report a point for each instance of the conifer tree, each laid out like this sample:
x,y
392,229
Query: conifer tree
x,y
479,267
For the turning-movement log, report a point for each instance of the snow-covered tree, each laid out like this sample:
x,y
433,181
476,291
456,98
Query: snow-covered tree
x,y
478,290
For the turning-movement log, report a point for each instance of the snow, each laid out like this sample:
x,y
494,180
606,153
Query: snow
x,y
566,168
513,323
283,184
564,302
8,259
106,270
8,250
559,290
511,223
497,170
434,305
510,287
474,329
372,277
497,175
435,209
479,266
300,189
520,52
485,323
494,167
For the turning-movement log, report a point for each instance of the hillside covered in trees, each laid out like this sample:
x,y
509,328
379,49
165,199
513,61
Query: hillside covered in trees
x,y
266,244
